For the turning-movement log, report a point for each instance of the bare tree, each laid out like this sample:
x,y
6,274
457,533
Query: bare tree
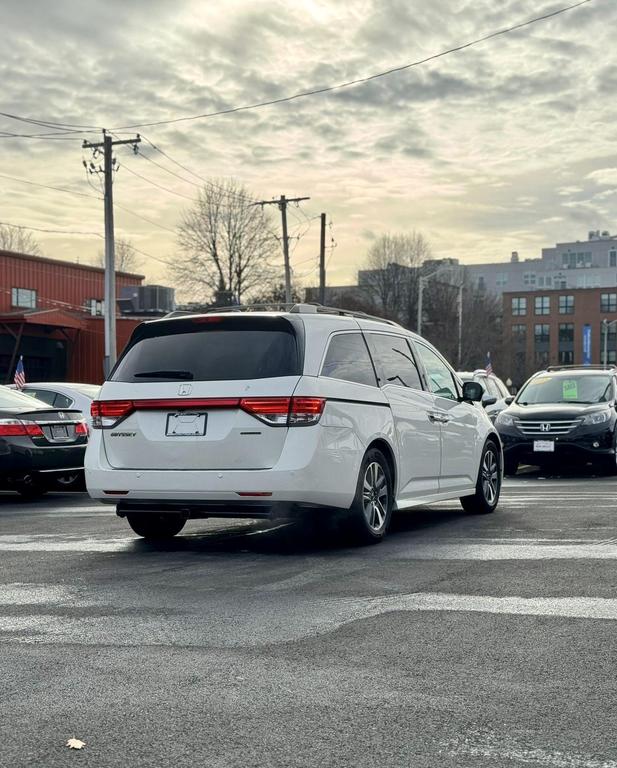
x,y
226,244
19,240
126,257
391,274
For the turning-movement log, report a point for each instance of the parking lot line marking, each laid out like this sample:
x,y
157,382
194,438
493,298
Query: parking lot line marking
x,y
307,618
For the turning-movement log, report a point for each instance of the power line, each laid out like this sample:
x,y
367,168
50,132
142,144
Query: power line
x,y
360,80
48,186
159,186
51,231
143,218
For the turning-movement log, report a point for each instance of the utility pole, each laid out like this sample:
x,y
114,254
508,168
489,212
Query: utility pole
x,y
420,292
109,166
459,306
282,203
322,261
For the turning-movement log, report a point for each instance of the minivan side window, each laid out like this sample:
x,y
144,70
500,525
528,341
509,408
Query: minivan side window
x,y
348,359
394,359
440,379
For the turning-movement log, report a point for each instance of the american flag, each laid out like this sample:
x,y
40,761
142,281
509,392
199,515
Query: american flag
x,y
489,367
20,374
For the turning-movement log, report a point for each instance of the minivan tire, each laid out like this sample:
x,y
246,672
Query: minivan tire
x,y
369,515
156,526
488,485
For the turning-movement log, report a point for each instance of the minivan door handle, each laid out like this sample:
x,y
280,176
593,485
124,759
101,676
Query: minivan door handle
x,y
438,418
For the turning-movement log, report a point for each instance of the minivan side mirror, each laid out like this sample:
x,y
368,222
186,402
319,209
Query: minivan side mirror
x,y
509,400
472,391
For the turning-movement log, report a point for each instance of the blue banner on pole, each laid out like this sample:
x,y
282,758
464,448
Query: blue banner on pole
x,y
586,344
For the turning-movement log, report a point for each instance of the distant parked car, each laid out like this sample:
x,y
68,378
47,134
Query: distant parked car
x,y
493,388
41,447
565,413
65,395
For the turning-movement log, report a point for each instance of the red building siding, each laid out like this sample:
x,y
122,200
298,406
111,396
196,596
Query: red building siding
x,y
59,338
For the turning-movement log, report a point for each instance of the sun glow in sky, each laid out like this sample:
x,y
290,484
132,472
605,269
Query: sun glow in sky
x,y
505,146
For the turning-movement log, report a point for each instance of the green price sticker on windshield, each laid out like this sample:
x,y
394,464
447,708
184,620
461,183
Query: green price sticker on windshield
x,y
570,389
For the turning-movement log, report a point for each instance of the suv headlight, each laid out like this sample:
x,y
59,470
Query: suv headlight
x,y
599,417
504,420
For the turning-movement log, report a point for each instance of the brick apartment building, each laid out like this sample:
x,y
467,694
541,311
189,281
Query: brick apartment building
x,y
555,327
51,312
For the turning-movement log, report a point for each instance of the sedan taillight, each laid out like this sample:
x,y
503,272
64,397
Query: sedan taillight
x,y
17,428
81,428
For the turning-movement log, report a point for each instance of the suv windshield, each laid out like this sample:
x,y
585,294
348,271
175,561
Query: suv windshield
x,y
210,349
587,389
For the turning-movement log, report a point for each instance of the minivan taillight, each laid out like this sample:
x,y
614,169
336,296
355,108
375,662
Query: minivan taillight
x,y
106,413
276,411
16,428
285,411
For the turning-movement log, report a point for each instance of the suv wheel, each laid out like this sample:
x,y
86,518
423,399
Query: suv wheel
x,y
488,486
610,463
156,525
371,510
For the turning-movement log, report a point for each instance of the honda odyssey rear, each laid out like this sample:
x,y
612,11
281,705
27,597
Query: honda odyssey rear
x,y
254,414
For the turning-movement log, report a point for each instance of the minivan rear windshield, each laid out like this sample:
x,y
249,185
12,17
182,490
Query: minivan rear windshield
x,y
210,349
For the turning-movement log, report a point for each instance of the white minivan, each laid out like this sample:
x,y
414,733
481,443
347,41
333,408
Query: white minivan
x,y
257,414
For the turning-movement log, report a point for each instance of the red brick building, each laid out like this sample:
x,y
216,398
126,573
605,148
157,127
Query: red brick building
x,y
555,327
51,312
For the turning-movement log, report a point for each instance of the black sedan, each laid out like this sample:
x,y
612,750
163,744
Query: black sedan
x,y
40,447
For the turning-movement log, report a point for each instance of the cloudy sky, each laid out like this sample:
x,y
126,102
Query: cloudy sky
x,y
509,145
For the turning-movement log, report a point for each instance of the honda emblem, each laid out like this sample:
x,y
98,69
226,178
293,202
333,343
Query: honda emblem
x,y
185,389
545,427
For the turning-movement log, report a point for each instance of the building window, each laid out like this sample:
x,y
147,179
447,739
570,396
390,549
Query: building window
x,y
612,258
529,278
543,305
566,305
566,357
576,260
95,307
481,283
519,305
519,333
566,332
23,297
501,279
608,302
541,359
542,333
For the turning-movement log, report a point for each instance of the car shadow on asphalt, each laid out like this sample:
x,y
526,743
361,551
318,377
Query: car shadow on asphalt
x,y
292,537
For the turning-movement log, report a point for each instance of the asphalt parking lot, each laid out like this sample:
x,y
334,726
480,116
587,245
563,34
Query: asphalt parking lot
x,y
459,641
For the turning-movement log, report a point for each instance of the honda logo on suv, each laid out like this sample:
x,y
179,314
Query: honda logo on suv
x,y
185,389
545,427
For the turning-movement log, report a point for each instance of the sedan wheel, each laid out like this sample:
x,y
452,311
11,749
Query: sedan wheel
x,y
490,476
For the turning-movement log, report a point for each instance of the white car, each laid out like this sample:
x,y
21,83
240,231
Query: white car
x,y
496,397
253,414
65,395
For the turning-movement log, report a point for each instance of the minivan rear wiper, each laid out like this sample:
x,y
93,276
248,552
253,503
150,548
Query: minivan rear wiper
x,y
163,375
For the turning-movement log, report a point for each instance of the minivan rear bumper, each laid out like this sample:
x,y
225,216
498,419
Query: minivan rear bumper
x,y
317,468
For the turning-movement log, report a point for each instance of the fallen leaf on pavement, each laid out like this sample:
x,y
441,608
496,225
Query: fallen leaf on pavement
x,y
75,744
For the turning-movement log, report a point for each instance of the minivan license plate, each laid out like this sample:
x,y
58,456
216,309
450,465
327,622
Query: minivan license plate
x,y
184,424
547,446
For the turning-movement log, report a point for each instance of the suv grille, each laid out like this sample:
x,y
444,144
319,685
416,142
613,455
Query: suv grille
x,y
547,428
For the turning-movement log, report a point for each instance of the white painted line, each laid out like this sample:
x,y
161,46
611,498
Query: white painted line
x,y
250,625
503,750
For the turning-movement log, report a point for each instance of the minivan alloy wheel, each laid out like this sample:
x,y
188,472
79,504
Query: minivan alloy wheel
x,y
490,476
375,496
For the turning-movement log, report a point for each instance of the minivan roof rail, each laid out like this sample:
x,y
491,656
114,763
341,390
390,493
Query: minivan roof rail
x,y
298,308
581,367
